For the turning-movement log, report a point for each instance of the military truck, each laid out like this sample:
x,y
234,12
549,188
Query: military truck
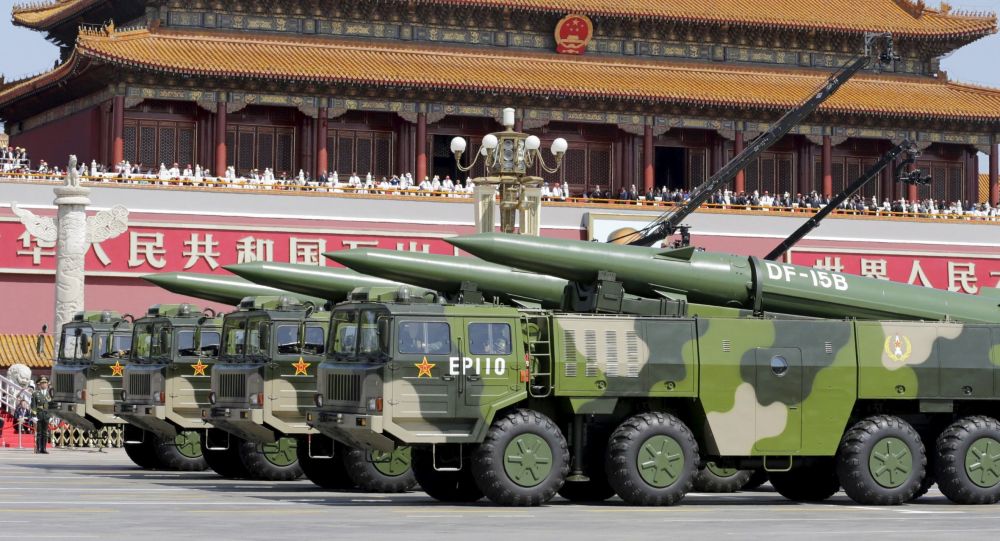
x,y
261,382
514,403
87,373
167,381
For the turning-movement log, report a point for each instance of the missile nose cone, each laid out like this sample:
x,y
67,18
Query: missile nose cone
x,y
246,270
163,279
474,244
349,258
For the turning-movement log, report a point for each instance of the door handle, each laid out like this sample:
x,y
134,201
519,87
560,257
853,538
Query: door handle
x,y
473,378
448,378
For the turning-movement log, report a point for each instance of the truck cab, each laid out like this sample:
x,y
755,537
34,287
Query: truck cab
x,y
87,374
167,379
400,369
264,379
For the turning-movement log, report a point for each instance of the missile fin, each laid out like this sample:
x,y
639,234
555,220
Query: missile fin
x,y
681,254
525,302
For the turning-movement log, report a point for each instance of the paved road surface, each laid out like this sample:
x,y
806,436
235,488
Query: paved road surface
x,y
83,494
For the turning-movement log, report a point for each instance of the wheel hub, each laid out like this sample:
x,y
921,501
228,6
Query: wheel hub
x,y
528,460
890,462
392,464
660,461
281,453
188,444
982,462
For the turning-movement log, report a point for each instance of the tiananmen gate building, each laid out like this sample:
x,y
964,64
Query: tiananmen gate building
x,y
647,92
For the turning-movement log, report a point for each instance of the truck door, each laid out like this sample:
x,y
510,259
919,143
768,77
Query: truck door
x,y
778,385
422,385
487,364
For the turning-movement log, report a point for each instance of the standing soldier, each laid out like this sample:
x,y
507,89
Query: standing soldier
x,y
40,410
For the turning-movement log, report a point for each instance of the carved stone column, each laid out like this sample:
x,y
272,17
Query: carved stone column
x,y
531,211
911,189
484,197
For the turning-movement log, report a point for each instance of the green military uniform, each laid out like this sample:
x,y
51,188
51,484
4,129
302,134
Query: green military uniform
x,y
40,410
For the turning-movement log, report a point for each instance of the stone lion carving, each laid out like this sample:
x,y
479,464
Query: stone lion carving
x,y
19,374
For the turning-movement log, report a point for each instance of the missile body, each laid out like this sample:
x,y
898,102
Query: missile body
x,y
446,273
331,284
224,289
731,280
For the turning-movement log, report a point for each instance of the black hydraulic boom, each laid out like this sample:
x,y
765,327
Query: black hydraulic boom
x,y
878,50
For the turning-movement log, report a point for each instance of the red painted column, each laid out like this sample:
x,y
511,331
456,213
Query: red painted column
x,y
994,173
117,130
911,189
421,147
322,123
220,139
648,178
741,177
827,166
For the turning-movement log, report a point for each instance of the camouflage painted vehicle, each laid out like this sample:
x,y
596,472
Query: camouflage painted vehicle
x,y
167,382
518,404
87,374
260,384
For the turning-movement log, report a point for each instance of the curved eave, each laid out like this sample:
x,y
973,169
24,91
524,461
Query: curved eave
x,y
551,76
45,17
978,26
39,83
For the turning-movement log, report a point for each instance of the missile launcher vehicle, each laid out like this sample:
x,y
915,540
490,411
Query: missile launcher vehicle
x,y
516,404
166,382
87,374
262,383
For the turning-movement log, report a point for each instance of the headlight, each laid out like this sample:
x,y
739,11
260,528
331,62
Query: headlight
x,y
159,397
319,400
375,404
257,399
81,394
212,398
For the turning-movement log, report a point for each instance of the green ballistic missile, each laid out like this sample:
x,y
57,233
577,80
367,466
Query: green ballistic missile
x,y
445,274
224,289
731,280
327,283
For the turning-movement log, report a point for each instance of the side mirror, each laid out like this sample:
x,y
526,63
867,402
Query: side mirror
x,y
383,334
84,344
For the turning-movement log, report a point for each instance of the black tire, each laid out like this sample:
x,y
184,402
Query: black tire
x,y
180,453
142,455
666,440
534,475
813,481
713,479
226,463
444,486
900,456
328,473
375,471
270,462
757,479
970,438
595,449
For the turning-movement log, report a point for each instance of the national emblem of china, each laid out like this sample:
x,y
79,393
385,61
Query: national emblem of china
x,y
898,348
573,33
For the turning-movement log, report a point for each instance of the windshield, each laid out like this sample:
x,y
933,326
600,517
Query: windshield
x,y
234,336
120,346
151,340
76,342
356,333
246,337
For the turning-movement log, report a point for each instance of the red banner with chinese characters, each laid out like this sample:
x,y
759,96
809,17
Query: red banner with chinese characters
x,y
966,273
146,248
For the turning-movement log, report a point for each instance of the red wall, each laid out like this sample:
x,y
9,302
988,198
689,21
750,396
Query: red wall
x,y
53,142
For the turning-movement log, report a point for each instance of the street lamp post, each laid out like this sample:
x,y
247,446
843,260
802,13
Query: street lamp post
x,y
508,156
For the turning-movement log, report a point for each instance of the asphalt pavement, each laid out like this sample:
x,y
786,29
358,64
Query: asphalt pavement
x,y
85,494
